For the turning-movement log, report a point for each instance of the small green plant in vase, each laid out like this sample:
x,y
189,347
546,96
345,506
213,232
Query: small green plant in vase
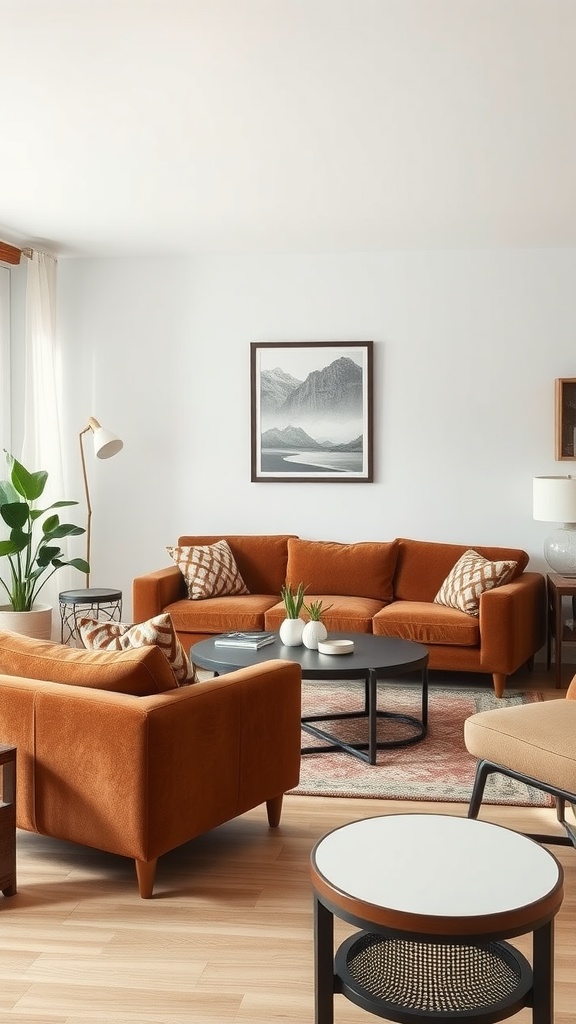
x,y
314,630
292,627
293,599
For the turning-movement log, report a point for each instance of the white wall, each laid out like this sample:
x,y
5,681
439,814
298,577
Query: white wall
x,y
467,347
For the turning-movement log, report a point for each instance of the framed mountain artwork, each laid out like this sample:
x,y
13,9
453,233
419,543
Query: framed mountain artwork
x,y
311,411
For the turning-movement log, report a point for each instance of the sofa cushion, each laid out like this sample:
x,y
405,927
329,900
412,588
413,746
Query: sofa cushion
x,y
427,623
121,636
347,614
209,570
471,577
365,569
423,565
220,614
140,672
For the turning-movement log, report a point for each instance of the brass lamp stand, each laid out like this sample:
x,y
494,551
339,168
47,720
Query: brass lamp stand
x,y
105,446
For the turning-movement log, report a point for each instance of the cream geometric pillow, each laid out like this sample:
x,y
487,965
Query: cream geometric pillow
x,y
209,570
471,576
121,636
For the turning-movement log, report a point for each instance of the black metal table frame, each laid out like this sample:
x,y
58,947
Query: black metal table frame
x,y
327,982
76,604
367,751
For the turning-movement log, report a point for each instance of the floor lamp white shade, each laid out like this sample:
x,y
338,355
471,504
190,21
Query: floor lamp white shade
x,y
105,446
554,501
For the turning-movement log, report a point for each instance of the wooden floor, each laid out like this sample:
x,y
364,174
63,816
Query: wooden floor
x,y
227,938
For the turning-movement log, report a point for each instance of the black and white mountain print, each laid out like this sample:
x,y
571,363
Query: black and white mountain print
x,y
313,424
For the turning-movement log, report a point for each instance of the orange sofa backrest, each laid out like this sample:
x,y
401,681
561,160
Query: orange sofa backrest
x,y
261,559
423,566
364,569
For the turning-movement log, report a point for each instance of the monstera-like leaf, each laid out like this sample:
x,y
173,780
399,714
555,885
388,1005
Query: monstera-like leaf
x,y
31,555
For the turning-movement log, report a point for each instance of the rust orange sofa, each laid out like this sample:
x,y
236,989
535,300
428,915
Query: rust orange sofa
x,y
113,755
387,588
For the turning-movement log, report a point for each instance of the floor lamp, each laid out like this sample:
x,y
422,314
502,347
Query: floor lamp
x,y
105,446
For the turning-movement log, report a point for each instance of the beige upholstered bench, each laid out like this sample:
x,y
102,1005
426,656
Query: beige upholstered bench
x,y
533,743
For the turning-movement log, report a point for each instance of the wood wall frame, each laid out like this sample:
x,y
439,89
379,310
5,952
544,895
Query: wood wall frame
x,y
565,419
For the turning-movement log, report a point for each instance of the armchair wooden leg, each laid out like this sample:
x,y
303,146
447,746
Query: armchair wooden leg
x,y
499,680
146,873
274,810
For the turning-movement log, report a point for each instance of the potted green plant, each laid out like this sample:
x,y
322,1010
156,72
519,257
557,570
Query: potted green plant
x,y
291,628
314,630
30,551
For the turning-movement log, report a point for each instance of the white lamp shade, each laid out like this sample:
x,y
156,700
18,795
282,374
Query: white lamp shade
x,y
554,499
106,444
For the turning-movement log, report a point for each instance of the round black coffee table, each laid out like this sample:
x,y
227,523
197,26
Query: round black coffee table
x,y
373,658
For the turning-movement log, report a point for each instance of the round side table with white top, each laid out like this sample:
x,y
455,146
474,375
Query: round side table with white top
x,y
434,903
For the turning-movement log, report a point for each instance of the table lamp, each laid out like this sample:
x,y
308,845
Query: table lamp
x,y
554,501
105,446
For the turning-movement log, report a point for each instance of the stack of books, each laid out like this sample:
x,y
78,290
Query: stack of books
x,y
251,640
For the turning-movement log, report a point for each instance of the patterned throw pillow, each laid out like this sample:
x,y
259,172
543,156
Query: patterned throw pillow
x,y
470,577
121,636
209,570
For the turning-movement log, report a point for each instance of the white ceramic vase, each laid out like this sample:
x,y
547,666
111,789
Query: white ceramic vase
x,y
36,623
313,632
291,632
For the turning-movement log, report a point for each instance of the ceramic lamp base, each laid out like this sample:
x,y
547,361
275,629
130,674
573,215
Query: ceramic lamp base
x,y
560,550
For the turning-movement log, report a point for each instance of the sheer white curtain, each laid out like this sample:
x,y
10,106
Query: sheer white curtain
x,y
42,444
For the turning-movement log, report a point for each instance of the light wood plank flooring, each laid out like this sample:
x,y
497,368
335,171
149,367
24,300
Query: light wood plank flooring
x,y
227,938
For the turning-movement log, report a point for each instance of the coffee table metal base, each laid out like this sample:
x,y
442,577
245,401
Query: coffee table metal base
x,y
366,751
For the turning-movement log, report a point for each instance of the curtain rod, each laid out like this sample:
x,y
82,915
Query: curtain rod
x,y
12,254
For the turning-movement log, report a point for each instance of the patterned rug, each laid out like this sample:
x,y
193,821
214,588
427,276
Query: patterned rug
x,y
438,768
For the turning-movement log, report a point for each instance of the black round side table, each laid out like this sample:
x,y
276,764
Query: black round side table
x,y
101,602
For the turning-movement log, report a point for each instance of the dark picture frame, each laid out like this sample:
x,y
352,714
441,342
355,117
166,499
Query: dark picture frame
x,y
311,411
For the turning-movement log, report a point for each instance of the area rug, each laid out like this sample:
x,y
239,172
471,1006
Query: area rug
x,y
438,768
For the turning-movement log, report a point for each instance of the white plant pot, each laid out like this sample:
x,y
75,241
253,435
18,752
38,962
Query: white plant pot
x,y
36,623
313,632
291,632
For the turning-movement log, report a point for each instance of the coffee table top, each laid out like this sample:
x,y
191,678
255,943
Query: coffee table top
x,y
371,653
437,874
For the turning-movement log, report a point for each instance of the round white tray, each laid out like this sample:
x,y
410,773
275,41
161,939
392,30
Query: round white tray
x,y
335,646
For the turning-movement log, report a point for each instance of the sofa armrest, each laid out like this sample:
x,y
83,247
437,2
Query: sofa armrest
x,y
152,592
512,623
139,776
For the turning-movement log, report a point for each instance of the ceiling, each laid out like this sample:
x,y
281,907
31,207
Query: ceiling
x,y
187,126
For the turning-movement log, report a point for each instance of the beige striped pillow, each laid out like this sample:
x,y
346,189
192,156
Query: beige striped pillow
x,y
471,576
120,636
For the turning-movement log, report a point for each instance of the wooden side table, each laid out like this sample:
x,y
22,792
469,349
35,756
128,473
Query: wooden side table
x,y
8,820
558,629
